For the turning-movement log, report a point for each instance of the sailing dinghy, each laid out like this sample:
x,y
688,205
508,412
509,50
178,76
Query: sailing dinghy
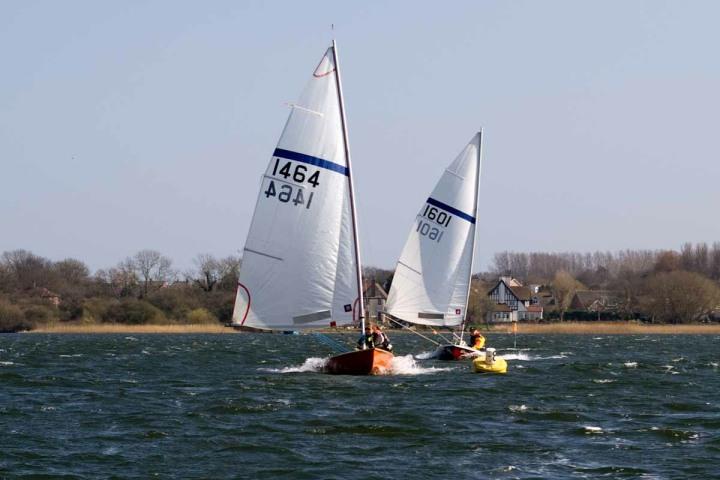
x,y
301,261
432,278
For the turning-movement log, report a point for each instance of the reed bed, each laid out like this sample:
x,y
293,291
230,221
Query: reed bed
x,y
120,328
608,328
566,328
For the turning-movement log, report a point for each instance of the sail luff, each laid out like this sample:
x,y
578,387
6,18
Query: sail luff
x,y
346,142
474,236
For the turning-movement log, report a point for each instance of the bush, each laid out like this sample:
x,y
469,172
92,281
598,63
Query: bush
x,y
220,304
95,309
12,319
37,314
176,302
201,315
133,312
71,308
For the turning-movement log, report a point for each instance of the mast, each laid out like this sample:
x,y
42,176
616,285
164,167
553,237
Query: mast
x,y
343,120
472,255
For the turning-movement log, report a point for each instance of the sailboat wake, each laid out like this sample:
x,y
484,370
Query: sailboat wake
x,y
406,365
311,364
525,357
426,355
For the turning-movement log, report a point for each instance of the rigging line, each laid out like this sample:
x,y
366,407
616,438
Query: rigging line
x,y
413,331
330,342
443,337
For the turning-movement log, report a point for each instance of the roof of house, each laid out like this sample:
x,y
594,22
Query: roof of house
x,y
535,308
522,293
45,293
585,298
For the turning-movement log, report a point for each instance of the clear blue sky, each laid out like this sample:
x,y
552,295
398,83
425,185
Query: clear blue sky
x,y
146,124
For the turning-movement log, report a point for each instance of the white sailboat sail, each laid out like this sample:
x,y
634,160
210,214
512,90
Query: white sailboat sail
x,y
432,277
299,266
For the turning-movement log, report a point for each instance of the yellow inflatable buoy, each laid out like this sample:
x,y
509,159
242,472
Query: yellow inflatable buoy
x,y
490,363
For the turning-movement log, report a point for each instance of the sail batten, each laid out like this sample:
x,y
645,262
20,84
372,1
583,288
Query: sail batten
x,y
432,277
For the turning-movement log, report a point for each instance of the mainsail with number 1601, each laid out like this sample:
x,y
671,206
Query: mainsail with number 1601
x,y
432,278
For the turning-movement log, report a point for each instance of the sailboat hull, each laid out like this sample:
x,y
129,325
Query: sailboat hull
x,y
456,352
373,361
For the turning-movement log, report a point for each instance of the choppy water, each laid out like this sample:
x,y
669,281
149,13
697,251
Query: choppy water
x,y
237,406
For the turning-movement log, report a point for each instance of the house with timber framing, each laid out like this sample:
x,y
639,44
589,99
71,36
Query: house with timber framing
x,y
514,302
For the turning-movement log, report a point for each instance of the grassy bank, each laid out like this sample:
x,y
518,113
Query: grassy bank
x,y
567,328
608,328
120,328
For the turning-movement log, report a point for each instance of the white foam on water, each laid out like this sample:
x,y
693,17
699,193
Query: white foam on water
x,y
630,364
7,363
311,364
131,338
406,365
527,358
603,380
714,364
516,356
71,356
592,429
425,355
517,408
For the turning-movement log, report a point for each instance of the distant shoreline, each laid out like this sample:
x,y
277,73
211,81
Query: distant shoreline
x,y
607,328
566,328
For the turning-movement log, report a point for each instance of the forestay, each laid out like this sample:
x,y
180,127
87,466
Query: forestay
x,y
432,277
299,267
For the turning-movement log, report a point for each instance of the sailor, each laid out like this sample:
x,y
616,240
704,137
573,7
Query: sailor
x,y
366,339
380,339
477,341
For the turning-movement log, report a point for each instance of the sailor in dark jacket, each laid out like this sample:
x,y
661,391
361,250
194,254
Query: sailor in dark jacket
x,y
366,340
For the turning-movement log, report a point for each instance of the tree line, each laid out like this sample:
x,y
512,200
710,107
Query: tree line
x,y
659,286
654,285
143,288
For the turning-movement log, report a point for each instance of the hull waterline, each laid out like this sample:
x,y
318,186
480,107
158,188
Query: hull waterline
x,y
373,361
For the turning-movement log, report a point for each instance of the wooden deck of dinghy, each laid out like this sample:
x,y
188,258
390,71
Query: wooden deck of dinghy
x,y
373,361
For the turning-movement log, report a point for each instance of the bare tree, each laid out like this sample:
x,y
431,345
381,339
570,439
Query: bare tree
x,y
715,261
667,261
682,296
27,270
229,272
152,268
564,287
207,271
